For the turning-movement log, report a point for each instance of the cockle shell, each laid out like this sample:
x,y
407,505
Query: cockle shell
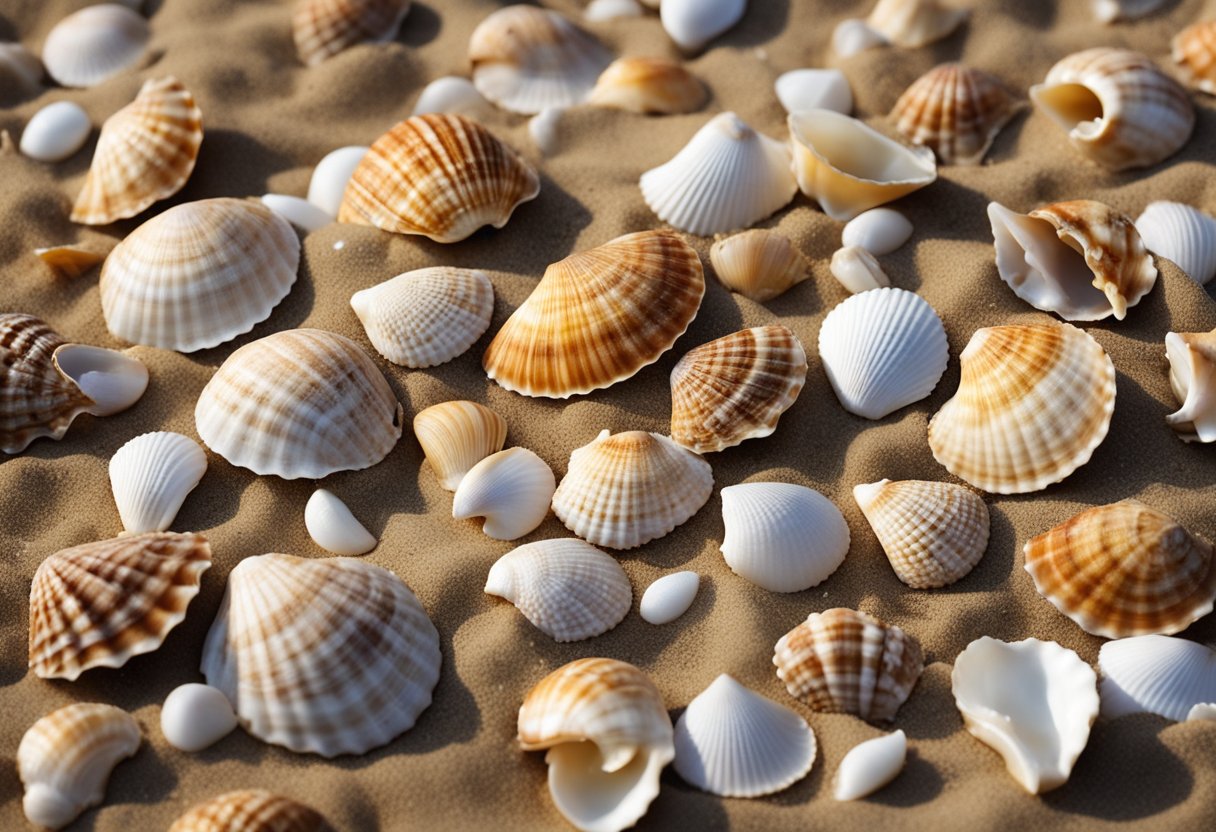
x,y
1156,674
1124,570
599,316
733,742
814,89
1032,701
599,11
20,73
66,757
623,490
441,176
956,111
330,656
915,23
457,435
251,810
1194,51
331,176
195,717
333,527
759,264
694,23
879,231
844,661
56,132
869,766
1192,357
1119,109
648,85
151,476
1032,404
608,738
1183,234
299,403
70,260
427,316
852,36
95,44
669,597
728,176
452,94
145,153
857,270
510,489
1111,11
567,588
299,212
323,28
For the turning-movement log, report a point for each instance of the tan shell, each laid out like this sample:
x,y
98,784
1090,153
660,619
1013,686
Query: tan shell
x,y
69,261
1194,51
648,85
323,28
1192,357
915,23
1124,570
457,435
251,810
759,264
956,111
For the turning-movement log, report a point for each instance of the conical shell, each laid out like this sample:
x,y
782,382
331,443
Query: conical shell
x,y
99,604
692,24
759,264
857,270
331,656
844,661
915,23
1111,11
151,476
882,350
933,533
599,316
510,489
669,597
457,435
427,316
145,153
251,810
1156,674
869,766
1124,570
1194,51
323,28
567,588
1032,701
333,526
1183,234
299,403
625,490
733,742
1192,357
95,44
66,757
441,176
955,111
1032,404
728,176
1119,109
648,85
70,261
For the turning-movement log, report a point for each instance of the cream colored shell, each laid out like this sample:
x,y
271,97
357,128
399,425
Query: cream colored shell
x,y
1194,52
69,260
915,23
151,476
510,489
1192,357
95,44
759,264
648,85
457,435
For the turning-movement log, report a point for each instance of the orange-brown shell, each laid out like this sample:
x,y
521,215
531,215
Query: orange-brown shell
x,y
251,810
956,111
758,263
1194,50
38,399
648,85
323,28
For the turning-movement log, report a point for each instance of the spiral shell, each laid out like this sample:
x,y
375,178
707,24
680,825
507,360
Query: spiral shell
x,y
956,111
323,28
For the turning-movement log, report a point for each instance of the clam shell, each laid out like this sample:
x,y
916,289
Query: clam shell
x,y
648,85
323,28
1033,402
251,810
853,36
1160,675
195,717
1194,51
814,89
95,44
879,231
857,271
20,73
956,111
56,132
694,23
452,94
623,490
299,212
151,476
669,597
1112,11
759,264
70,261
331,176
869,766
331,656
333,527
1183,234
1192,357
511,489
915,23
591,320
457,435
299,403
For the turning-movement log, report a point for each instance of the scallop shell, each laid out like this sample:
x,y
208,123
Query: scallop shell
x,y
728,176
151,476
95,44
195,717
452,94
56,132
70,261
333,527
1194,51
844,661
599,316
20,74
1124,570
299,403
857,271
1192,357
1156,674
669,597
510,489
1032,404
331,656
814,89
1183,234
731,741
879,231
648,85
66,757
323,28
1032,701
955,111
145,153
623,490
694,23
332,174
853,36
457,435
759,264
251,810
870,765
915,23
76,621
1112,11
735,388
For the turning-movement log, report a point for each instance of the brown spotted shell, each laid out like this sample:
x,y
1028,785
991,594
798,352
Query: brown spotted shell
x,y
955,111
323,28
251,810
1194,51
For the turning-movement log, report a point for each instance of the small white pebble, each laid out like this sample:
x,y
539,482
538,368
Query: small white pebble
x,y
669,597
196,716
857,270
333,527
56,132
879,231
870,765
339,245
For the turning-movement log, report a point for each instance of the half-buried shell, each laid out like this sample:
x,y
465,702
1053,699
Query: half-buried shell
x,y
95,44
1156,674
457,435
759,264
1183,234
1192,357
251,810
956,111
323,28
648,85
915,23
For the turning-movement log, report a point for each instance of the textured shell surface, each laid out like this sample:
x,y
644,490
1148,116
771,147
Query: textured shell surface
x,y
1031,701
1183,234
70,260
692,24
1194,52
333,526
457,435
648,85
95,44
915,23
814,89
331,176
599,316
879,231
151,476
323,28
511,489
1156,674
1033,402
852,36
956,111
857,270
870,765
759,263
1192,357
452,94
251,810
669,597
329,656
298,211
56,132
196,716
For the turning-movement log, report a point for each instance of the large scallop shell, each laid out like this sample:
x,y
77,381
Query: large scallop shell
x,y
1158,674
1183,234
759,264
457,435
1192,357
915,23
648,85
510,489
599,316
323,28
869,766
1194,51
151,475
956,111
251,810
95,44
1032,404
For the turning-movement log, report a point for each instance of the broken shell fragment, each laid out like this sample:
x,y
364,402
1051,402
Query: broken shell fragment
x,y
759,264
151,476
69,261
510,489
56,132
879,231
669,597
915,23
252,810
457,435
1183,234
870,765
648,85
956,111
1170,677
857,270
95,44
694,23
195,717
333,527
1192,357
1194,51
814,89
323,28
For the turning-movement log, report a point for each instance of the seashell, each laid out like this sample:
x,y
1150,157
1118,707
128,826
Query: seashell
x,y
648,85
735,388
65,759
728,176
849,167
1203,712
1033,402
20,73
69,261
323,28
151,476
1183,234
814,89
1032,701
882,350
457,435
731,741
48,382
330,656
853,36
598,11
669,597
566,337
195,717
915,23
251,810
1119,109
782,537
879,231
1192,357
694,23
543,130
608,738
333,527
1194,51
857,271
299,403
869,766
623,490
844,661
331,176
759,264
199,274
299,212
934,533
452,94
1112,11
1170,677
527,59
145,153
95,44
511,489
955,111
441,176
56,132
75,622
568,589
1124,570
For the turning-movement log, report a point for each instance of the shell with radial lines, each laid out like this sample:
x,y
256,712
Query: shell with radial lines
x,y
457,435
915,23
1192,357
510,489
95,44
151,476
323,28
648,85
759,264
251,810
1156,674
1183,234
1194,51
956,111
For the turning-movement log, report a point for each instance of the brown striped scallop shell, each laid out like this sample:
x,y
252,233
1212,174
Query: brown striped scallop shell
x,y
251,810
1194,51
323,28
956,111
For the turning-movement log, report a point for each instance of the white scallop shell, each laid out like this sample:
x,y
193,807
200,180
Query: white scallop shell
x,y
879,231
196,716
452,94
299,212
853,36
1111,11
1160,675
94,44
151,476
543,128
669,597
814,89
1183,234
598,11
694,23
333,527
1203,712
857,270
510,489
1192,358
870,765
56,132
329,177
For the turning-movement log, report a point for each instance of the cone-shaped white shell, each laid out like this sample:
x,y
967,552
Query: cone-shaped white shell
x,y
1183,234
333,527
510,489
869,766
694,23
879,231
56,132
196,716
857,270
151,476
1159,674
1192,357
669,597
814,89
94,44
299,212
452,94
457,435
330,176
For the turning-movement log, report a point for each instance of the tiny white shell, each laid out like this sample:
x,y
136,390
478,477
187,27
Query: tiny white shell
x,y
452,94
543,129
669,597
196,716
333,527
510,489
56,132
814,89
1156,674
94,44
151,477
598,11
299,212
1183,234
857,270
330,176
853,35
879,231
694,23
870,765
1203,712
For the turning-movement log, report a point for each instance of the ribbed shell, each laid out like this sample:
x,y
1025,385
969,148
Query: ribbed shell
x,y
915,23
330,656
99,604
956,111
299,403
1194,51
599,316
145,153
36,398
323,28
1033,402
95,44
1192,357
510,489
1183,234
457,435
151,476
1158,674
648,85
759,264
251,810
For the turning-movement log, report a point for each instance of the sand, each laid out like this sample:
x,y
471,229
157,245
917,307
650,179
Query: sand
x,y
269,120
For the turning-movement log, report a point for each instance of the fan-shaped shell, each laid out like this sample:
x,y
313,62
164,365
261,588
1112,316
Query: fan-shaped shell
x,y
857,270
251,810
323,28
1158,674
151,476
669,597
95,44
879,231
648,85
694,23
915,23
1183,234
510,489
814,89
869,766
759,264
194,717
1111,11
1194,51
457,435
1192,357
333,526
956,111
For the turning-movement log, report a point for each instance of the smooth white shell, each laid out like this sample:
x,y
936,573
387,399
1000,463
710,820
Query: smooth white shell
x,y
1204,712
814,89
601,10
196,716
879,231
1193,380
113,380
151,476
22,67
94,44
333,527
853,35
330,176
694,23
510,489
543,128
869,766
669,597
299,212
1183,234
857,270
56,132
452,94
1160,675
